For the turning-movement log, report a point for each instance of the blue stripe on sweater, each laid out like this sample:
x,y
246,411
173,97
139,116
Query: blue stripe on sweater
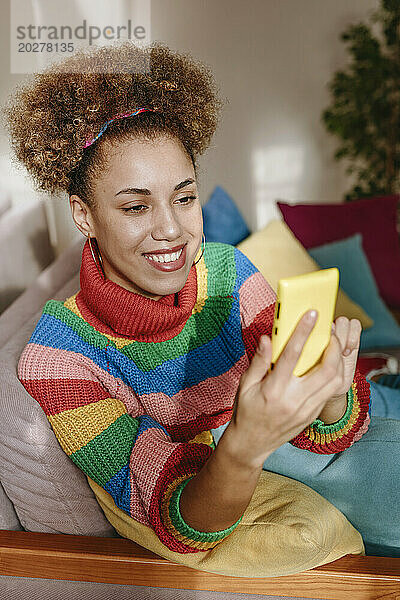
x,y
209,360
244,269
145,423
119,487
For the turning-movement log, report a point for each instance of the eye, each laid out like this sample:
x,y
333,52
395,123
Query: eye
x,y
187,198
135,208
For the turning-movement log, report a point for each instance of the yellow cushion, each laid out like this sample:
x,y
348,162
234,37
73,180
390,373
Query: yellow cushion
x,y
287,528
277,253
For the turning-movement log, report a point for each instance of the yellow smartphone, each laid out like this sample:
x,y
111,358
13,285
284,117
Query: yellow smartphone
x,y
295,296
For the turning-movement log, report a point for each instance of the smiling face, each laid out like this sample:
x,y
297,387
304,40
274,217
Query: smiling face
x,y
146,201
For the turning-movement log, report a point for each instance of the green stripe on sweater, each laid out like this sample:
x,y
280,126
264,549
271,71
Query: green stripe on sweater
x,y
208,323
185,529
199,329
322,427
107,453
221,266
56,309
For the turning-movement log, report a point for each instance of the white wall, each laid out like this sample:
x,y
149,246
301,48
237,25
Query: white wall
x,y
273,60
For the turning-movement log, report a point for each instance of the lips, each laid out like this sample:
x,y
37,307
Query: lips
x,y
168,266
166,250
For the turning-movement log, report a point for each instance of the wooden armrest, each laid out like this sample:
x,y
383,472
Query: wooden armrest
x,y
120,561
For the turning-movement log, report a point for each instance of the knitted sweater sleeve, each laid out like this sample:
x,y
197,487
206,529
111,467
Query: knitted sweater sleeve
x,y
257,308
133,458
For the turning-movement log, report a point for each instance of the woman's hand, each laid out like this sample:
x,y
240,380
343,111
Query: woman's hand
x,y
273,407
348,333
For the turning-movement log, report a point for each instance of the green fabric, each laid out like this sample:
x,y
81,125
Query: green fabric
x,y
56,309
95,458
322,427
185,529
199,329
217,256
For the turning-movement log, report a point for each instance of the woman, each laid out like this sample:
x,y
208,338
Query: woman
x,y
168,339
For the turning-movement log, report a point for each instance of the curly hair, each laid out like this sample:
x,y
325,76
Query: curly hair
x,y
50,118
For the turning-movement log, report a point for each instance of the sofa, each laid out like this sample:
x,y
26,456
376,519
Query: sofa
x,y
24,246
23,478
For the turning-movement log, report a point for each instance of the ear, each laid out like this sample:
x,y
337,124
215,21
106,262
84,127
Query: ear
x,y
82,216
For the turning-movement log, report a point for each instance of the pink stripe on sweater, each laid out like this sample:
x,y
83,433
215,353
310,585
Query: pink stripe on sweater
x,y
136,507
214,394
146,465
363,429
43,362
255,295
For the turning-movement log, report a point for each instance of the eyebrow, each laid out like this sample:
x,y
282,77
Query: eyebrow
x,y
146,192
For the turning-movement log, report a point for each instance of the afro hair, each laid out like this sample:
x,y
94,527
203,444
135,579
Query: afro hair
x,y
50,118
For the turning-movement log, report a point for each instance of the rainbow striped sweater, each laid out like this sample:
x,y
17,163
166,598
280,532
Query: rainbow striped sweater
x,y
133,386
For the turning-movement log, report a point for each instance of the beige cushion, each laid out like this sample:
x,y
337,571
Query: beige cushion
x,y
277,253
49,284
49,493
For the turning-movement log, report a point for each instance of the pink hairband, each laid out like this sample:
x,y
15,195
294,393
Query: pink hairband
x,y
137,111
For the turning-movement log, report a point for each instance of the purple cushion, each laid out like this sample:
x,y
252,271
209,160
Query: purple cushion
x,y
374,218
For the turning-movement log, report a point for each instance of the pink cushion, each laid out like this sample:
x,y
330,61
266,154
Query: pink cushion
x,y
374,218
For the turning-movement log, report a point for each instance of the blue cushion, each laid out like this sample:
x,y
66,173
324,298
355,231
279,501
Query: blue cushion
x,y
222,221
357,280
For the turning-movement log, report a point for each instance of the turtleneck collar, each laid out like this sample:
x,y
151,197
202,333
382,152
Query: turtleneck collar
x,y
126,313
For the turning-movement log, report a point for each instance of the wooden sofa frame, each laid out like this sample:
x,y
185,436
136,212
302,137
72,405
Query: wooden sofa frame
x,y
120,561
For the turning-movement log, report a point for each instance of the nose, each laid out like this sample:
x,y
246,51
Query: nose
x,y
166,225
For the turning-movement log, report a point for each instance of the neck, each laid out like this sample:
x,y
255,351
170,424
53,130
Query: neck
x,y
127,313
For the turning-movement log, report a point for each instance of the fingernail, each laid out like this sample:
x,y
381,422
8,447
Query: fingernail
x,y
312,315
346,352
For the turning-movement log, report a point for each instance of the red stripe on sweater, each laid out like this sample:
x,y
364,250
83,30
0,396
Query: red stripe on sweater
x,y
187,459
261,325
57,395
363,396
187,431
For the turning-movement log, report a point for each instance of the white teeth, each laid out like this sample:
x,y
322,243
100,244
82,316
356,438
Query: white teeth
x,y
165,258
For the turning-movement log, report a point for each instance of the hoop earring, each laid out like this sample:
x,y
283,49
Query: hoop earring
x,y
202,252
101,270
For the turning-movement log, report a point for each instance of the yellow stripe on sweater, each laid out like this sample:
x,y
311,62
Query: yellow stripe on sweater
x,y
205,437
119,342
202,275
321,438
86,422
71,304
